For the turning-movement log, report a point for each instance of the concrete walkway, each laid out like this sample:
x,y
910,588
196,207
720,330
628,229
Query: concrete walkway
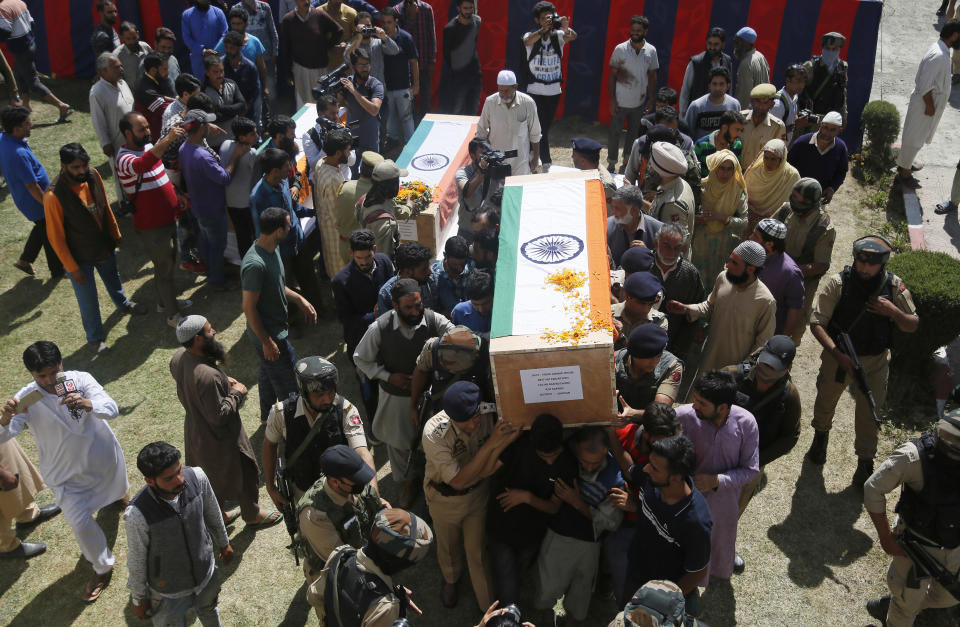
x,y
907,29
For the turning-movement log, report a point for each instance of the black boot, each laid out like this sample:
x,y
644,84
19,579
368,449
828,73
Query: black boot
x,y
864,470
878,608
818,450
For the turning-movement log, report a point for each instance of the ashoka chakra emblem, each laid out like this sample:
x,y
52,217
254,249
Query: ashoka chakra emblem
x,y
555,248
429,162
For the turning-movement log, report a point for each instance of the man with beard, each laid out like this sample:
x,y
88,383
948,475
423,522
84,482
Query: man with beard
x,y
810,238
79,455
867,302
673,524
339,508
448,277
780,274
696,78
508,121
228,100
413,262
154,91
674,200
131,53
213,433
460,90
741,309
727,137
471,180
327,179
145,182
681,282
726,439
826,78
753,68
703,115
928,469
164,40
202,26
760,126
646,372
628,224
485,249
172,526
83,231
363,95
632,87
104,37
244,72
388,354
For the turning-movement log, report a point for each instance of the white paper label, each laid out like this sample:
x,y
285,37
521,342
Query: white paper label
x,y
407,230
546,385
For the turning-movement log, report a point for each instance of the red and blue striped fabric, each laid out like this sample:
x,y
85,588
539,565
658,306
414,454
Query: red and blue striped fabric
x,y
789,32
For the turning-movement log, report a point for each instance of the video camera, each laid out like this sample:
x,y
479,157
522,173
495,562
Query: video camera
x,y
496,168
328,125
330,83
812,118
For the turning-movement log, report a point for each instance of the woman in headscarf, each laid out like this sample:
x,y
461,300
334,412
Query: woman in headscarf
x,y
770,180
722,217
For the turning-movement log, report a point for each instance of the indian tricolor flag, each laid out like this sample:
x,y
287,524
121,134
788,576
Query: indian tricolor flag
x,y
550,223
436,150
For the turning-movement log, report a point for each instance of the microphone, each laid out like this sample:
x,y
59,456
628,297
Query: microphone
x,y
66,386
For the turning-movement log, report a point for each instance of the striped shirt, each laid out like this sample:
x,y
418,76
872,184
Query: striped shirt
x,y
156,200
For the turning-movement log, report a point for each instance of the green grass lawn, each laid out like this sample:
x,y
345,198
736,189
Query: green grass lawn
x,y
810,550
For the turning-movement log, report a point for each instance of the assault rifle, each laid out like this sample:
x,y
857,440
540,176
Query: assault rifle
x,y
928,566
289,510
846,346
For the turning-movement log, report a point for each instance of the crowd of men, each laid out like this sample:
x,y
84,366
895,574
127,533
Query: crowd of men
x,y
720,249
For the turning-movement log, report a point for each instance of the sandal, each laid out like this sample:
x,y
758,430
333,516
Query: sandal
x,y
943,208
269,520
63,116
26,268
96,586
230,516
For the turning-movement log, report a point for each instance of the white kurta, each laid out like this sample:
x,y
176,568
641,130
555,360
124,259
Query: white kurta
x,y
80,459
932,75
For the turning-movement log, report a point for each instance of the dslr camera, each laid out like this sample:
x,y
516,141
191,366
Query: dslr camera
x,y
496,168
555,21
330,83
368,31
812,118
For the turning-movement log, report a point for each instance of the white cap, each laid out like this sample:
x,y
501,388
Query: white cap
x,y
833,118
506,78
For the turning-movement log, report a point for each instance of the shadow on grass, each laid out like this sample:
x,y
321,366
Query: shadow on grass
x,y
21,303
718,603
299,610
240,543
831,530
61,599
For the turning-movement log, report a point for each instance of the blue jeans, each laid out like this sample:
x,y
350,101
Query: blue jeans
x,y
400,113
277,380
615,548
509,566
167,612
87,295
213,241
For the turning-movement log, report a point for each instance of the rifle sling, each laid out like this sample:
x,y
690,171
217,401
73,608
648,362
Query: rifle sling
x,y
306,441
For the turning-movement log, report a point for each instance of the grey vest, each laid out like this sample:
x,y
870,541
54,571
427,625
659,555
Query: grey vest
x,y
180,551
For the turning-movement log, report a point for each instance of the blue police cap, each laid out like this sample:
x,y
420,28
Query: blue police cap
x,y
647,340
643,286
636,259
461,401
587,146
342,462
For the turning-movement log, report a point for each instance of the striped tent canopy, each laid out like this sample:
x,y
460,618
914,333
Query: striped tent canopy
x,y
789,31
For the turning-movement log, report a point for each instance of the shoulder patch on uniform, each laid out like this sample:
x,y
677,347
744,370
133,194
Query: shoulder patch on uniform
x,y
440,429
903,288
355,420
675,377
910,449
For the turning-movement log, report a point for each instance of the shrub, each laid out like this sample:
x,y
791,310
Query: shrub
x,y
881,121
933,279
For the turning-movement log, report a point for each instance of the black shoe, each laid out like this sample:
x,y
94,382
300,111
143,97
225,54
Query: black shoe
x,y
26,550
136,309
864,470
818,450
738,564
878,608
941,12
46,513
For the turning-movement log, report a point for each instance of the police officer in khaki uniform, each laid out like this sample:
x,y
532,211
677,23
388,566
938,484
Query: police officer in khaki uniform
x,y
642,291
458,355
646,371
810,238
338,509
462,445
928,468
866,302
356,586
377,210
826,88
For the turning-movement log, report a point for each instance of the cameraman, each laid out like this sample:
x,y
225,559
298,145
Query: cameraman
x,y
544,68
153,200
470,184
374,40
327,119
363,95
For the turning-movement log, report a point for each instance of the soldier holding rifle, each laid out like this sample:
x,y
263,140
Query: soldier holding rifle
x,y
863,302
925,543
